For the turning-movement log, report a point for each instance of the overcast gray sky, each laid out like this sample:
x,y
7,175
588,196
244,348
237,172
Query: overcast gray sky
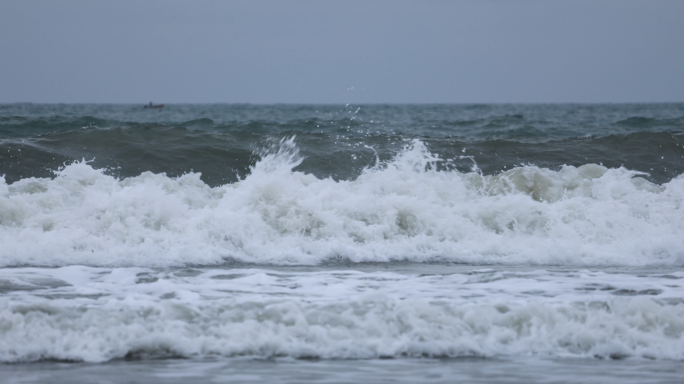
x,y
306,51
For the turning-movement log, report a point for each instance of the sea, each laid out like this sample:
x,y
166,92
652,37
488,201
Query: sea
x,y
238,243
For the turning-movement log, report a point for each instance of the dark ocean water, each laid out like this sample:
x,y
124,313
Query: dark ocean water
x,y
305,243
223,141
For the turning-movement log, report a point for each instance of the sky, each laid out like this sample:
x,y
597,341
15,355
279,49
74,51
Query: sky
x,y
328,51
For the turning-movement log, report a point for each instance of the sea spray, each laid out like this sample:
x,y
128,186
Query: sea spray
x,y
403,209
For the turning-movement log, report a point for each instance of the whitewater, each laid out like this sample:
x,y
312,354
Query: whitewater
x,y
347,249
400,210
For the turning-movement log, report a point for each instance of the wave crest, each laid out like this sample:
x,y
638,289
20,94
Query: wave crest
x,y
403,209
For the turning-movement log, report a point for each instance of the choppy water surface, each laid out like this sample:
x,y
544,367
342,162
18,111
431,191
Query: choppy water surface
x,y
303,243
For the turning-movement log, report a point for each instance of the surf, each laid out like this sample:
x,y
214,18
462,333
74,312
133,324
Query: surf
x,y
405,208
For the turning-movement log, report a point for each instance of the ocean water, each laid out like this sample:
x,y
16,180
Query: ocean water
x,y
342,243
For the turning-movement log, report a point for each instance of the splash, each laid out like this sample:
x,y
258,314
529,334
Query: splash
x,y
403,209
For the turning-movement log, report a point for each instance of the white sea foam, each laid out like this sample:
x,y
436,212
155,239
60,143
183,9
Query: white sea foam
x,y
404,209
96,314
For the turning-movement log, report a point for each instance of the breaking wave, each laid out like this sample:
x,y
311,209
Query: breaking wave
x,y
402,209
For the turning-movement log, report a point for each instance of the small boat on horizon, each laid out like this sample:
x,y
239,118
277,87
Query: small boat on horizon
x,y
157,106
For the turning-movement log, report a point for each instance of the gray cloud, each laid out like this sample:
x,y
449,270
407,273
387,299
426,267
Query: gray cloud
x,y
342,51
